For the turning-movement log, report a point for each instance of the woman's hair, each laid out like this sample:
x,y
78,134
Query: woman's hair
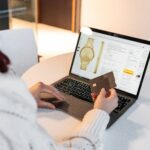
x,y
4,62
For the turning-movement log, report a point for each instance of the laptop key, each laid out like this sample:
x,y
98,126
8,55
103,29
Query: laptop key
x,y
75,88
122,103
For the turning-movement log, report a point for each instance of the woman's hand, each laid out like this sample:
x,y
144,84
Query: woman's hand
x,y
39,88
106,102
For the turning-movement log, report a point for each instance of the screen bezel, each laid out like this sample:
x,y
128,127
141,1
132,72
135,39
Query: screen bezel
x,y
119,36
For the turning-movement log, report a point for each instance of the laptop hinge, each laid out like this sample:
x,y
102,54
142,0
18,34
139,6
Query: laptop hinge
x,y
79,78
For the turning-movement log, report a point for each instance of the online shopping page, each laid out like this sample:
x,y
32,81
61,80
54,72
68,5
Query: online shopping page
x,y
98,54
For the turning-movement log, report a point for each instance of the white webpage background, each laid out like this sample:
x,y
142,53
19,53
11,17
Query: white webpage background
x,y
118,55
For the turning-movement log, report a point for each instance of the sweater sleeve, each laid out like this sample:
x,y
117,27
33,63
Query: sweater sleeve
x,y
4,143
88,135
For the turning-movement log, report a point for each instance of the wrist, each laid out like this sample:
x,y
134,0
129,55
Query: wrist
x,y
100,109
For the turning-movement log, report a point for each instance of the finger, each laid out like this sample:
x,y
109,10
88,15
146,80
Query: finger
x,y
43,104
59,97
102,92
53,91
94,96
56,91
112,93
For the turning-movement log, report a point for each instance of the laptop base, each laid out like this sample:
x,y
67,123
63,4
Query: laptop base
x,y
77,107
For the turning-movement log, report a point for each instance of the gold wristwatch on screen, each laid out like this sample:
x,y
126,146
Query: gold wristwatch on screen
x,y
86,54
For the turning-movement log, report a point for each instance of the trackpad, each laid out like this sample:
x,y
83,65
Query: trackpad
x,y
77,107
62,105
71,105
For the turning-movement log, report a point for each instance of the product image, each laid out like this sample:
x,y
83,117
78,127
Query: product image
x,y
99,57
87,54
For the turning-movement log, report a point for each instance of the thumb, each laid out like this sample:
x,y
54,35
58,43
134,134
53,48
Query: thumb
x,y
43,104
102,92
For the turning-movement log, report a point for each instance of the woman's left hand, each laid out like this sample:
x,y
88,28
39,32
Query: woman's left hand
x,y
39,88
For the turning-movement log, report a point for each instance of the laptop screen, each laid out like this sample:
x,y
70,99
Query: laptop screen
x,y
102,52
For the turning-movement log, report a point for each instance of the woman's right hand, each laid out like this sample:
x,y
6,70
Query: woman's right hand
x,y
39,88
104,102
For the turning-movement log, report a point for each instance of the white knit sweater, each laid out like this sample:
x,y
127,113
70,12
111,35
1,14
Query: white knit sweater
x,y
19,129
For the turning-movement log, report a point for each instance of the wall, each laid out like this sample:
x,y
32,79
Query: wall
x,y
56,13
130,17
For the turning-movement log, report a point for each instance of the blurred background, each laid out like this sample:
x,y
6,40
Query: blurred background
x,y
56,23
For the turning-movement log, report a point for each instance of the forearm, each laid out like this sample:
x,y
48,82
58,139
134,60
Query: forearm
x,y
88,134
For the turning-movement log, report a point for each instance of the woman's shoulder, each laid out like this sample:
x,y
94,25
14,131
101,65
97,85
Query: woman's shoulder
x,y
13,91
11,81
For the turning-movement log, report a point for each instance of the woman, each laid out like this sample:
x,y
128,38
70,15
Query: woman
x,y
19,129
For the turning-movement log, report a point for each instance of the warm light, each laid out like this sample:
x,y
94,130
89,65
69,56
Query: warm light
x,y
86,30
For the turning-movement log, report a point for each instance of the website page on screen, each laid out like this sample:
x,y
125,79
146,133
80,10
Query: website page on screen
x,y
98,54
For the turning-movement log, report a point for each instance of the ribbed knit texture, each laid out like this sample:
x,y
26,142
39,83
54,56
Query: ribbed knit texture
x,y
18,121
93,125
15,97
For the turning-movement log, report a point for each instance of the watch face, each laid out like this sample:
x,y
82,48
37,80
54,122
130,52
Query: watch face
x,y
86,55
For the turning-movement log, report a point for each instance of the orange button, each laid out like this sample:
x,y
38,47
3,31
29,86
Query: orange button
x,y
128,71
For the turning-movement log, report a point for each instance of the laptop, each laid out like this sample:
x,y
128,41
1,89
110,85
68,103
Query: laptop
x,y
98,52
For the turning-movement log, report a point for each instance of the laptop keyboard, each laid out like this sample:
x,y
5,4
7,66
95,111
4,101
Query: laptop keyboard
x,y
75,88
83,91
122,103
